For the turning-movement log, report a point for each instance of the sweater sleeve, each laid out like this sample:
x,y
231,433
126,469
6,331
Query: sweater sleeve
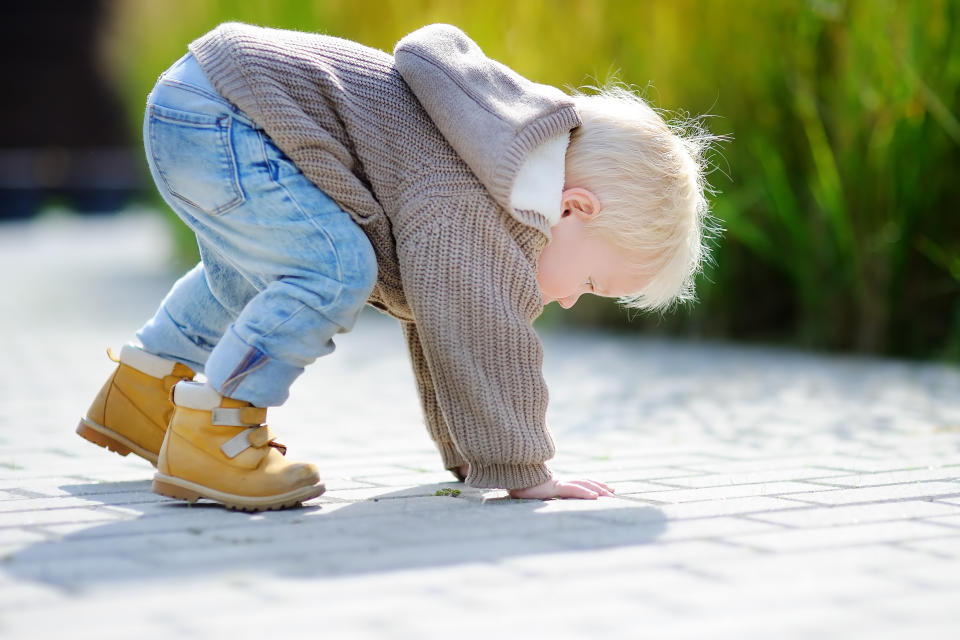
x,y
432,415
474,297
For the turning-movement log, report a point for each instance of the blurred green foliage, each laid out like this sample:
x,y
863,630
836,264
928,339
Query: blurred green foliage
x,y
839,194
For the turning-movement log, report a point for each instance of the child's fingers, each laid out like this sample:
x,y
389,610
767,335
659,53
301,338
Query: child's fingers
x,y
604,486
576,490
597,487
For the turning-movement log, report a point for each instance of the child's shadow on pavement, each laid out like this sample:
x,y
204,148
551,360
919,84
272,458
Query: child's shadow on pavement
x,y
408,529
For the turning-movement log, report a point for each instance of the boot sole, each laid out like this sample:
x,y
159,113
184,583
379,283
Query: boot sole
x,y
181,489
110,439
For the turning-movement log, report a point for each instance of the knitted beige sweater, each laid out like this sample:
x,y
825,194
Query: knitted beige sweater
x,y
422,149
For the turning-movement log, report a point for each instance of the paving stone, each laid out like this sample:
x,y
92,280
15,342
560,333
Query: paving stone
x,y
389,492
728,491
882,493
840,515
60,502
829,465
919,578
15,537
633,488
753,477
666,476
699,529
17,594
54,516
841,536
952,520
651,461
920,604
724,507
411,478
940,548
895,477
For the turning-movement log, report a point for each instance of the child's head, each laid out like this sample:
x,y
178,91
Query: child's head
x,y
647,183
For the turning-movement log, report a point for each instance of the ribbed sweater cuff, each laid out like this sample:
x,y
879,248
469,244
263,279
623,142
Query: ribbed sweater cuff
x,y
508,476
449,454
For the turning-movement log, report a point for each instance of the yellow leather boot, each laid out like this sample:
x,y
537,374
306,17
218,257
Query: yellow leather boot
x,y
132,409
220,449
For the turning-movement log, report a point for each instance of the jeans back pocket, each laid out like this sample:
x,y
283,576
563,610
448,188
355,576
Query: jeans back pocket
x,y
193,155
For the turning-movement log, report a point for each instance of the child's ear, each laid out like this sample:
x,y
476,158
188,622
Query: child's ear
x,y
582,202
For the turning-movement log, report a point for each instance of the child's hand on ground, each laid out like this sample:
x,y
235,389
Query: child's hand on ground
x,y
556,488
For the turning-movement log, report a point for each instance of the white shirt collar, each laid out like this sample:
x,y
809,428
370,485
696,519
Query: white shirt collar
x,y
539,183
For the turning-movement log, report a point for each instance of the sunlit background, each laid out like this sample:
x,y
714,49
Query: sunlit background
x,y
838,192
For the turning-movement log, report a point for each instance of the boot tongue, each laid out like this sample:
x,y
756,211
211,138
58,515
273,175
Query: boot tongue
x,y
183,371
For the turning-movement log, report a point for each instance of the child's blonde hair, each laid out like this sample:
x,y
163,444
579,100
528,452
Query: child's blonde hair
x,y
650,179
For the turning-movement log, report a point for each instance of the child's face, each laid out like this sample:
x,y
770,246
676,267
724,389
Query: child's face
x,y
575,262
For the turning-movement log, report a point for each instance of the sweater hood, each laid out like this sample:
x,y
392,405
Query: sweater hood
x,y
491,116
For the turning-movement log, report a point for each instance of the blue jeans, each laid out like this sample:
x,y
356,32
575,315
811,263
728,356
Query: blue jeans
x,y
282,268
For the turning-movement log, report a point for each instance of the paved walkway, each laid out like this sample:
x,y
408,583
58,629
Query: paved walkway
x,y
762,493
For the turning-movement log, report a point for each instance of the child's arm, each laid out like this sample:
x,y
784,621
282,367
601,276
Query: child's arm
x,y
426,389
454,462
474,296
474,299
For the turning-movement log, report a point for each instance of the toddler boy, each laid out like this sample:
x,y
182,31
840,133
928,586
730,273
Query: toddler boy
x,y
437,185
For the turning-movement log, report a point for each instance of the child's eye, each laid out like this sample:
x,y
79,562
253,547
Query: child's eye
x,y
589,283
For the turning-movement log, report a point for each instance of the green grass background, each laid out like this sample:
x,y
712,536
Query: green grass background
x,y
839,192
